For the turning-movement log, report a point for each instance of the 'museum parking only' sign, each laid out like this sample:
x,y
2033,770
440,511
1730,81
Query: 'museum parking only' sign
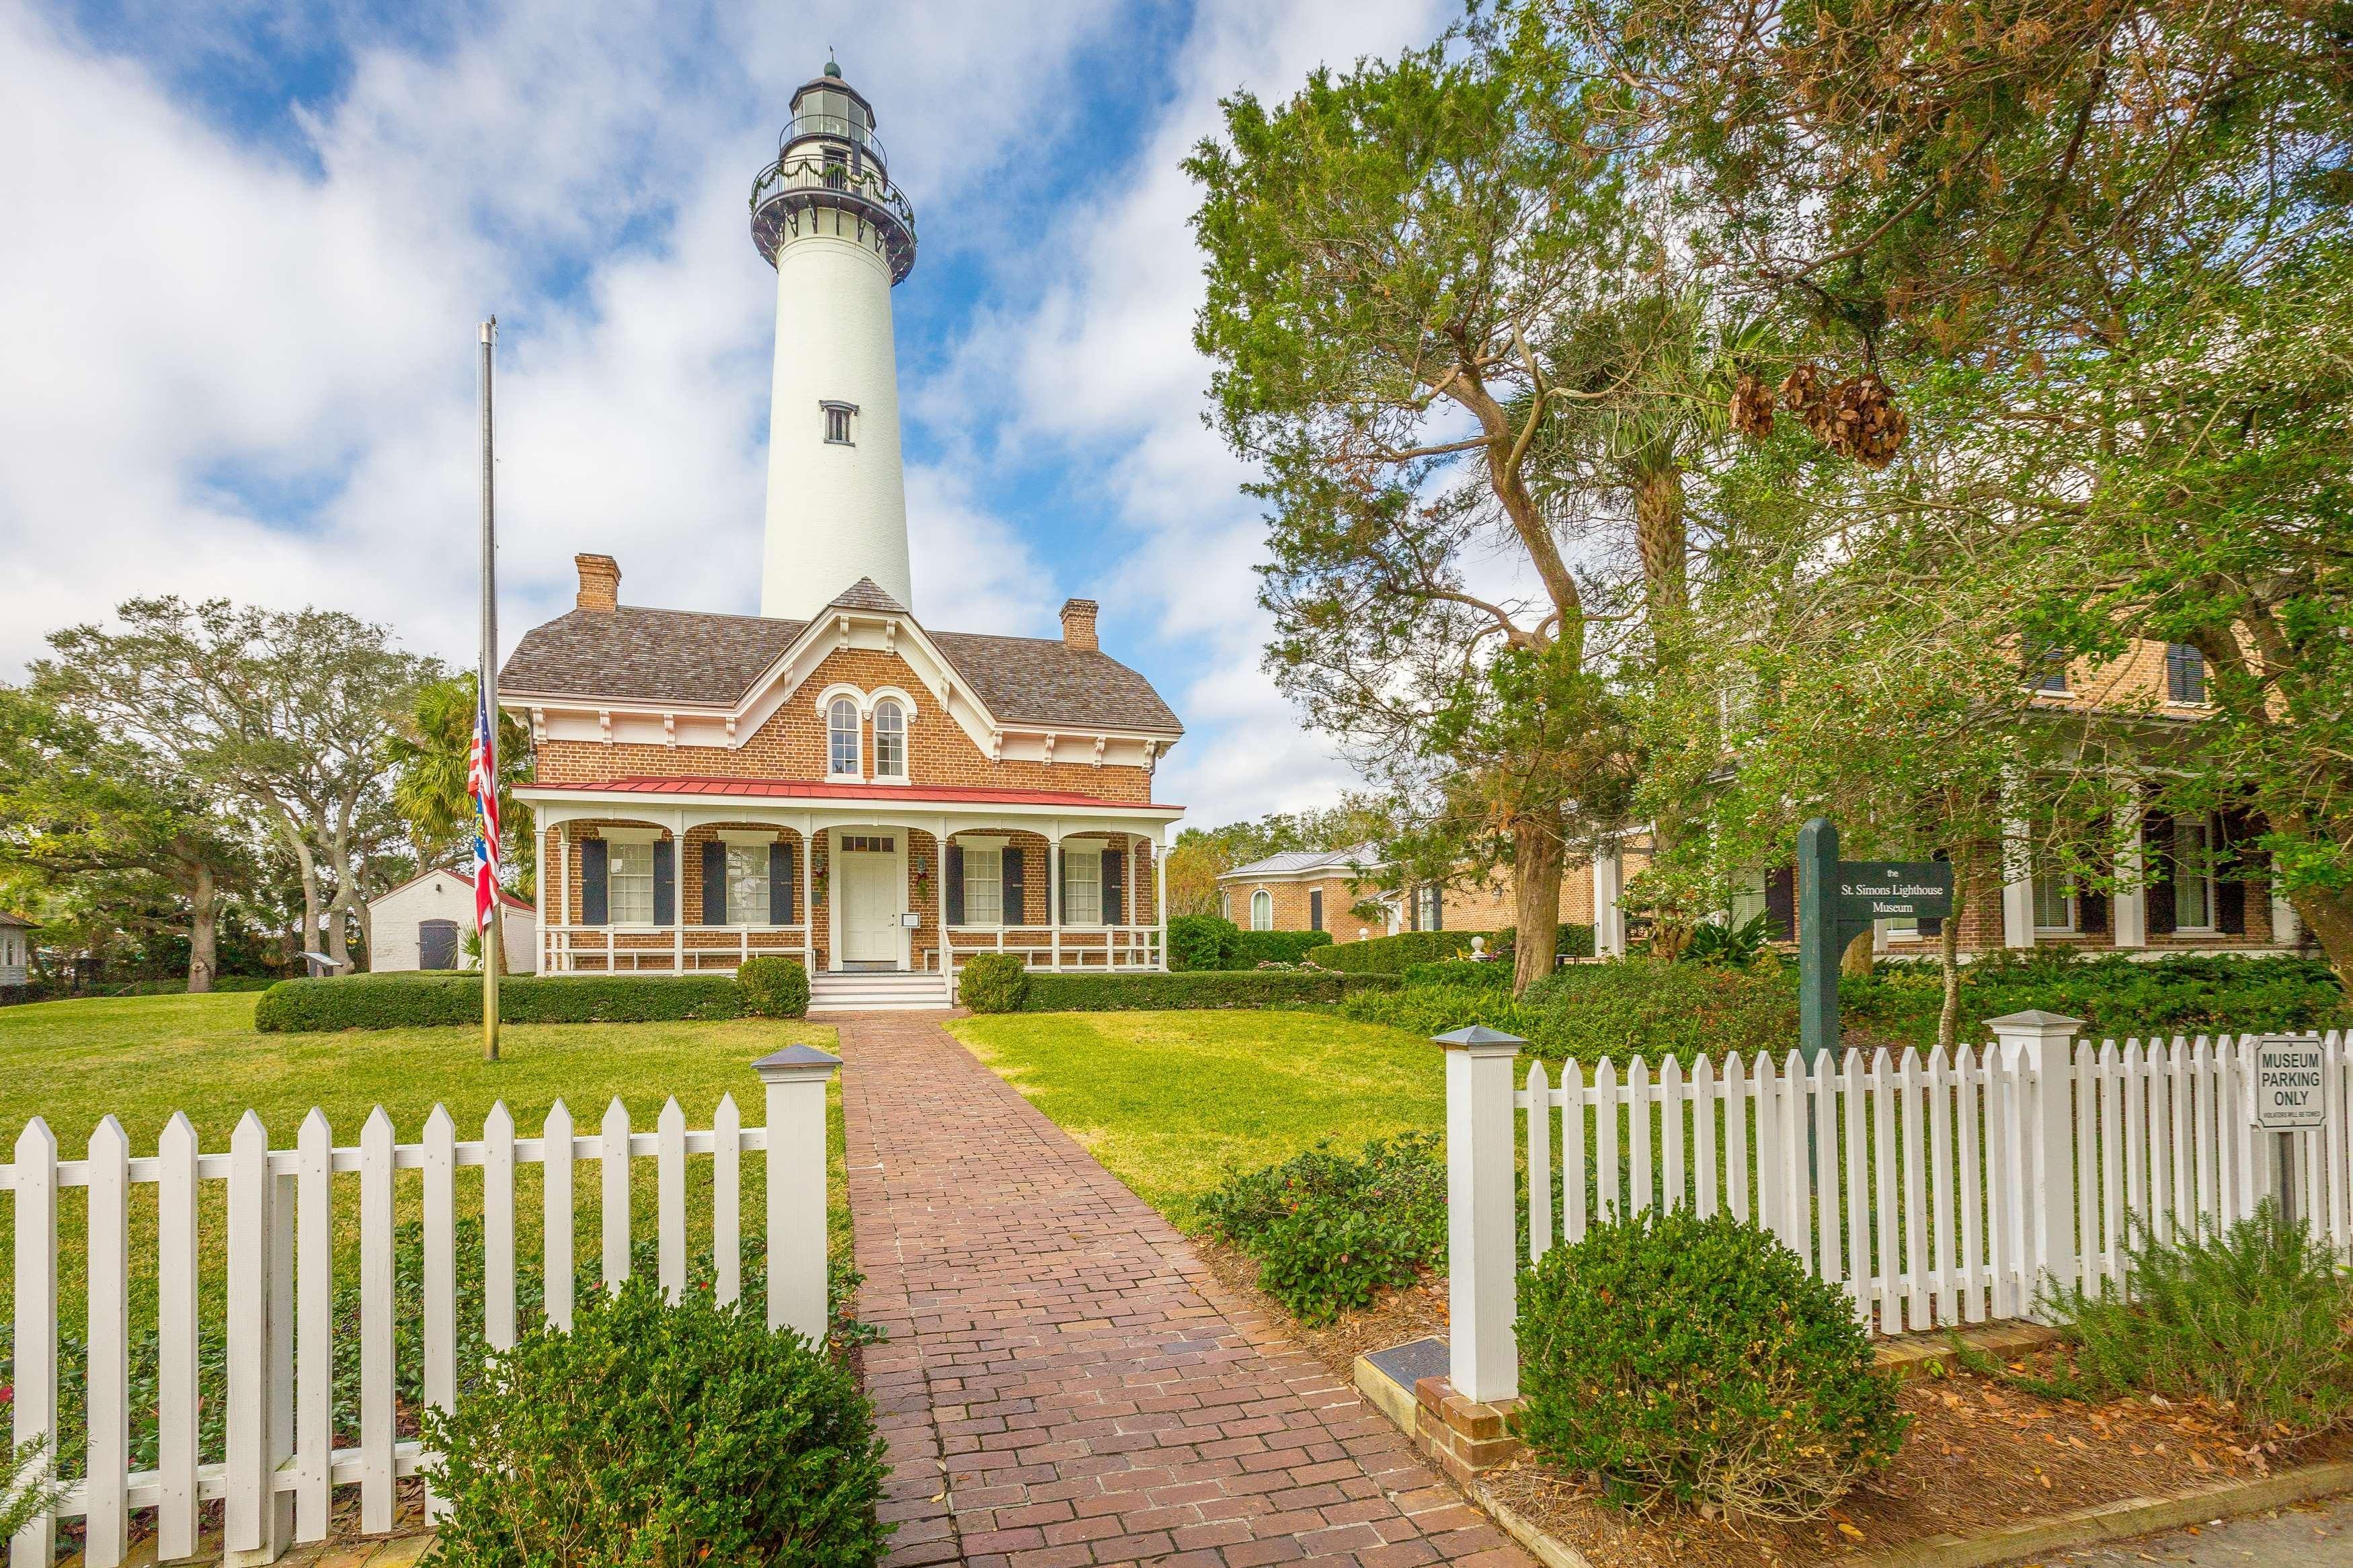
x,y
2288,1084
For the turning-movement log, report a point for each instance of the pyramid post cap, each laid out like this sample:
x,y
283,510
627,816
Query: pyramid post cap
x,y
2034,1018
796,1062
1481,1041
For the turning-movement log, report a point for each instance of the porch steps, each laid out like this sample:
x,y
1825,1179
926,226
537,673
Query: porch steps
x,y
875,991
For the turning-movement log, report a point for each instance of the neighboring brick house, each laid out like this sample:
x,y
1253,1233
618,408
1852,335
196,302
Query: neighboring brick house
x,y
1316,889
2179,884
831,778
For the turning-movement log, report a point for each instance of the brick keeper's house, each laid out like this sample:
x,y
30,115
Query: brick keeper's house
x,y
831,778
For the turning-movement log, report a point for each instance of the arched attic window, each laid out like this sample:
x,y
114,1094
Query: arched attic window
x,y
841,737
889,741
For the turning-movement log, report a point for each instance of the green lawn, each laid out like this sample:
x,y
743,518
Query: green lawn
x,y
143,1058
1168,1101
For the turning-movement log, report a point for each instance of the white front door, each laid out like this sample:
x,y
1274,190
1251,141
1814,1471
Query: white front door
x,y
869,906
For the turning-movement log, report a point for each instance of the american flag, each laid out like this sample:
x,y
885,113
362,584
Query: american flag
x,y
481,780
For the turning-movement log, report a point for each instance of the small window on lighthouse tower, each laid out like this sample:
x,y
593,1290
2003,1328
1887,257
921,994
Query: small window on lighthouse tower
x,y
837,417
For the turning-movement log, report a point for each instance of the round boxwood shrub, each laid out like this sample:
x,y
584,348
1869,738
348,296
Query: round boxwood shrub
x,y
1696,1360
774,987
993,982
654,1432
1201,942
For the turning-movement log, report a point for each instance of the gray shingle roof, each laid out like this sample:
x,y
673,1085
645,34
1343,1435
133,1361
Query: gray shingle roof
x,y
634,654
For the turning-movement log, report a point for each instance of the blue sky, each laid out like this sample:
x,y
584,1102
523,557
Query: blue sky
x,y
251,242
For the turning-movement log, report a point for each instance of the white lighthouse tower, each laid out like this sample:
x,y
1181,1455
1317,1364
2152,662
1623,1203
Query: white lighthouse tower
x,y
840,237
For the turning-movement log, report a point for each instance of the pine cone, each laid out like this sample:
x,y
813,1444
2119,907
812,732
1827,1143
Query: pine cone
x,y
1805,394
1752,407
1864,422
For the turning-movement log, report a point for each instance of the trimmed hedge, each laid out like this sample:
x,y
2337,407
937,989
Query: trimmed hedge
x,y
774,987
1252,948
1494,972
413,1000
1201,942
1213,988
1395,954
993,983
1570,941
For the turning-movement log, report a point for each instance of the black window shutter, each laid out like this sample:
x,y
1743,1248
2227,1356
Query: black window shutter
x,y
2091,912
1314,909
1781,903
665,883
1929,925
780,884
1438,909
1010,894
715,883
952,884
2231,908
1061,902
1114,885
2229,873
592,882
2156,857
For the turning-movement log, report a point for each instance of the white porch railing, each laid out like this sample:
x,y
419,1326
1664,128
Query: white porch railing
x,y
281,1467
667,950
1937,1190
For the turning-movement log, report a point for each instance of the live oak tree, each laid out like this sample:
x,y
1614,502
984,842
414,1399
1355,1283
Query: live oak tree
x,y
290,711
129,834
1390,255
2119,228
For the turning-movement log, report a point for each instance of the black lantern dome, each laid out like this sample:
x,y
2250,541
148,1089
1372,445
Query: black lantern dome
x,y
831,172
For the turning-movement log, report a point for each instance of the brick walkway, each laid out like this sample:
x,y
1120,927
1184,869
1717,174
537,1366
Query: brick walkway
x,y
1065,1382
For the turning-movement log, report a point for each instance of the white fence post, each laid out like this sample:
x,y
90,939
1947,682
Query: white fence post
x,y
257,1524
35,1406
796,1079
1482,1354
2043,1044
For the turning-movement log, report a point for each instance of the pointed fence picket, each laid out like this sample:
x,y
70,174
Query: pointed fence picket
x,y
1936,1190
278,1478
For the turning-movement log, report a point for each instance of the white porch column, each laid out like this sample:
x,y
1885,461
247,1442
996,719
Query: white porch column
x,y
1482,1255
2017,872
2287,926
2044,1044
1160,898
563,894
1054,891
1609,920
2128,910
808,897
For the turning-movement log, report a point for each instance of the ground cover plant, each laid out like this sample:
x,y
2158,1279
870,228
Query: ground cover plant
x,y
1170,1101
2256,1319
1696,1361
655,1433
1330,1231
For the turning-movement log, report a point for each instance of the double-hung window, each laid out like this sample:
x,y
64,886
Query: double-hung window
x,y
747,884
2185,674
1262,911
1082,888
984,887
2054,901
629,883
2193,874
889,741
841,738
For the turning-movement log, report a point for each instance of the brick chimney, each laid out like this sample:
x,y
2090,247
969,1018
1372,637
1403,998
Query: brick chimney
x,y
600,581
1079,624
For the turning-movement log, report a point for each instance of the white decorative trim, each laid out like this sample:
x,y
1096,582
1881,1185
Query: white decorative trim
x,y
896,695
630,835
1100,741
856,694
670,730
980,840
744,837
1050,749
604,724
848,778
538,726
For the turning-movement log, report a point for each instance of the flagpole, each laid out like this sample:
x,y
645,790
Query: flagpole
x,y
495,932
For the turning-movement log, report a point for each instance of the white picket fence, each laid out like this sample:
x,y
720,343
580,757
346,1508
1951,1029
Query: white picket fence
x,y
281,1467
1937,1190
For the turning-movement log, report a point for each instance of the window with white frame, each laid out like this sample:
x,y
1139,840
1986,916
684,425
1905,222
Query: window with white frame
x,y
1225,903
1262,911
889,741
841,737
747,885
629,883
2054,901
1083,886
2193,874
984,886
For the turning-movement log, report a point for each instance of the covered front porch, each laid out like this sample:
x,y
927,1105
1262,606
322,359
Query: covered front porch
x,y
667,882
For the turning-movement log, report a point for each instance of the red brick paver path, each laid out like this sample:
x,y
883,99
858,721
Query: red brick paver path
x,y
1065,1382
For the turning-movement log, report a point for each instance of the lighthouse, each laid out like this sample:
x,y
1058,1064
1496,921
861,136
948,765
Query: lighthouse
x,y
840,237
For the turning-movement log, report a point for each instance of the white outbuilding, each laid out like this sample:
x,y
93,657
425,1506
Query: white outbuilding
x,y
422,924
15,948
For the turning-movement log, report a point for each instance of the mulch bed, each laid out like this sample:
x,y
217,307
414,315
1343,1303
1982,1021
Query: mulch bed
x,y
1980,1454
